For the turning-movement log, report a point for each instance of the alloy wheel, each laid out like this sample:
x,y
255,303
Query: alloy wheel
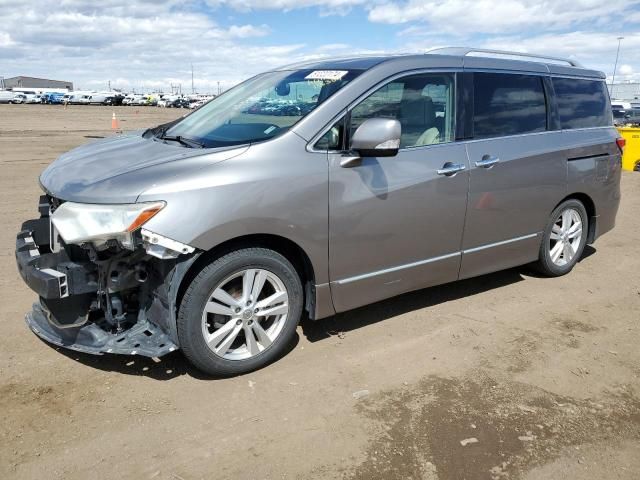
x,y
244,314
565,238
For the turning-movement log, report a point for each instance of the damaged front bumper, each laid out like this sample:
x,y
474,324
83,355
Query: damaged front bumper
x,y
113,300
144,338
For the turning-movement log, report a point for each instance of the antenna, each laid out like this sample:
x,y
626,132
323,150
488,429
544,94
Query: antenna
x,y
615,67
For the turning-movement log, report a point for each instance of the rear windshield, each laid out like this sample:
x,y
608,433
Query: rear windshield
x,y
582,103
261,108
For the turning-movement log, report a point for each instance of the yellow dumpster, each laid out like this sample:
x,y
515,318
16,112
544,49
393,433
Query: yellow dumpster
x,y
631,157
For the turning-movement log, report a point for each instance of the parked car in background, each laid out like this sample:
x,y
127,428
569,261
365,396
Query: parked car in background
x,y
619,116
52,98
127,100
97,98
19,98
633,115
180,103
215,232
626,117
197,104
138,100
33,99
166,99
25,91
117,99
56,98
618,105
77,98
6,96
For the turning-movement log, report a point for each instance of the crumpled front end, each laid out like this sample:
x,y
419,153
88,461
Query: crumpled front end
x,y
105,298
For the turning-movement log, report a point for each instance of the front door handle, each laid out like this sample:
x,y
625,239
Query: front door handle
x,y
449,169
487,161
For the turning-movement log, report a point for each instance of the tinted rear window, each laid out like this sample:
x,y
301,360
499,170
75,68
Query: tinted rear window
x,y
506,104
582,103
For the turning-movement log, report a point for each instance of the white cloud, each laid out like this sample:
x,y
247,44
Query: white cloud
x,y
5,40
497,16
146,44
152,43
625,70
593,49
327,7
246,31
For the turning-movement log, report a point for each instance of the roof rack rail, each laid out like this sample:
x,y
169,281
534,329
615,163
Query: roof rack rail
x,y
464,51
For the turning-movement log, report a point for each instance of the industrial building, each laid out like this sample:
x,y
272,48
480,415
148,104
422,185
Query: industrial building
x,y
34,82
625,91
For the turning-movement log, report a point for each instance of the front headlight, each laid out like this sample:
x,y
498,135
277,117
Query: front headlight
x,y
81,222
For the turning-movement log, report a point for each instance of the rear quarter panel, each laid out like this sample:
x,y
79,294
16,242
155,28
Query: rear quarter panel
x,y
594,165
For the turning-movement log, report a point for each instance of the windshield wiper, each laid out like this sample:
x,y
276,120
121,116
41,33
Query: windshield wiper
x,y
187,142
159,130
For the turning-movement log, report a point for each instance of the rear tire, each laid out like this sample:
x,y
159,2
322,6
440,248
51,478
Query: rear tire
x,y
240,312
564,239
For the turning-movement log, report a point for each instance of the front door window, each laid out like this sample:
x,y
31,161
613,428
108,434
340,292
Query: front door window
x,y
423,103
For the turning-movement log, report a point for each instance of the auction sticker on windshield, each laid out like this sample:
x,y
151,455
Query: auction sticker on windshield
x,y
331,75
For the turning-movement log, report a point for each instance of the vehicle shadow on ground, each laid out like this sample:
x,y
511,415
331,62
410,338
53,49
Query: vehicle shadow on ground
x,y
338,324
167,367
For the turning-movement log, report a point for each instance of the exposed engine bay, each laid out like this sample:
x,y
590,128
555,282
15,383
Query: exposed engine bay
x,y
102,296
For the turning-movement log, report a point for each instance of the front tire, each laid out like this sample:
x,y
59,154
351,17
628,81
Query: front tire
x,y
564,239
240,312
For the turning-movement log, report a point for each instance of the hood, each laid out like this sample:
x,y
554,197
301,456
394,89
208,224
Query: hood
x,y
118,169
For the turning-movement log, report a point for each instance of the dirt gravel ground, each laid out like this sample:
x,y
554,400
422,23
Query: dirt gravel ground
x,y
538,378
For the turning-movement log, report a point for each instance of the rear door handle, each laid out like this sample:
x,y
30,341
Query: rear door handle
x,y
449,169
487,161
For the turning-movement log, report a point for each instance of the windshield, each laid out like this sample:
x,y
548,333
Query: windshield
x,y
261,107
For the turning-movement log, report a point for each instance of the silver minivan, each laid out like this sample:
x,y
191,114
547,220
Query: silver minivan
x,y
315,189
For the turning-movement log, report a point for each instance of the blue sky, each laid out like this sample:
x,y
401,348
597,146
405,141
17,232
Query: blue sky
x,y
150,44
314,27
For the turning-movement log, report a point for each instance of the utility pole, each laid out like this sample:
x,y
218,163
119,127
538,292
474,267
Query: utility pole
x,y
193,90
109,85
218,88
615,67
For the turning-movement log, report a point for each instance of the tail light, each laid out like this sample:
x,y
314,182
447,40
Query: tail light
x,y
621,142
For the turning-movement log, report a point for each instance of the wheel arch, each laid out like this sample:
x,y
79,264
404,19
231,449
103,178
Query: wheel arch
x,y
284,246
589,206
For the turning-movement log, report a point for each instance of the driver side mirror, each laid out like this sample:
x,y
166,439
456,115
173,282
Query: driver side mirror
x,y
377,137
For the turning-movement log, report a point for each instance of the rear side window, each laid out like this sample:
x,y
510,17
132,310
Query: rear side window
x,y
508,104
582,103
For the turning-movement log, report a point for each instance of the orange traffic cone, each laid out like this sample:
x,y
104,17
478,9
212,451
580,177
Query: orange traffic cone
x,y
114,122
